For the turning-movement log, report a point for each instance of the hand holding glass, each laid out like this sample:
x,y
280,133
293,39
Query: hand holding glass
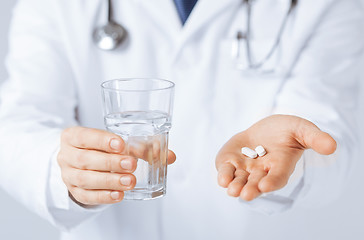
x,y
140,111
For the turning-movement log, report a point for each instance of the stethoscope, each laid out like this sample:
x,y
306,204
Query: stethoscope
x,y
112,35
242,37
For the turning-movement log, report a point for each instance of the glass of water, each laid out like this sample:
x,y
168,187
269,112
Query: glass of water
x,y
140,111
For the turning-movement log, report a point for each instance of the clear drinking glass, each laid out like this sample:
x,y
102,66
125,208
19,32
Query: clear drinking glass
x,y
140,111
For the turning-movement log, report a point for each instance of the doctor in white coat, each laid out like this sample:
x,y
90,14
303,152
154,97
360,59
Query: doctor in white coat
x,y
56,159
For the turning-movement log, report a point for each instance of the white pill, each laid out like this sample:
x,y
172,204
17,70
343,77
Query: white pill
x,y
260,150
249,152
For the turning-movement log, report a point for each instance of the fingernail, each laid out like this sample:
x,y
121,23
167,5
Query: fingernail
x,y
115,144
125,181
115,195
126,164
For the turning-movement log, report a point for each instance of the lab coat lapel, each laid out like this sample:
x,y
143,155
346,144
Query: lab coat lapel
x,y
166,18
202,15
164,14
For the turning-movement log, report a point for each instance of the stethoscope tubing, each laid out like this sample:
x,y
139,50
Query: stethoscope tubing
x,y
240,35
277,41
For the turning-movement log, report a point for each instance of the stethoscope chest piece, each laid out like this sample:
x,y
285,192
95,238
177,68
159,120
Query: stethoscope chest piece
x,y
110,36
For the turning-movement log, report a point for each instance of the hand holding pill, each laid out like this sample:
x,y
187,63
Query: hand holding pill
x,y
278,142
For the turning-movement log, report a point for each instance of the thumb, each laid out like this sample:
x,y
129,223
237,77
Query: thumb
x,y
310,136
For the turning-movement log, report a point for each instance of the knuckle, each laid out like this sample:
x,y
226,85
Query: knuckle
x,y
100,197
72,193
109,181
240,172
61,158
81,136
65,178
109,164
67,134
81,180
103,141
83,198
81,159
250,166
236,162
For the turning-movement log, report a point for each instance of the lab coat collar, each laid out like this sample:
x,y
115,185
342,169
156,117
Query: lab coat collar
x,y
202,14
206,10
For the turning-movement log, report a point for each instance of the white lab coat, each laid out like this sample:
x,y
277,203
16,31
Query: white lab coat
x,y
55,74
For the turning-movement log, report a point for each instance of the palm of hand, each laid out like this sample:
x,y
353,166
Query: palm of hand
x,y
285,138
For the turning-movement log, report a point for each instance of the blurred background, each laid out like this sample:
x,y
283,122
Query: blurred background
x,y
17,222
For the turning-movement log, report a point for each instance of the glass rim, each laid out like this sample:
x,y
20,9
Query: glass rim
x,y
104,87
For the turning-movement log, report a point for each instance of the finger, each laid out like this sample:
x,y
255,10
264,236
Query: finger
x,y
158,141
251,190
171,157
101,161
101,180
96,197
226,164
310,136
235,187
276,178
148,149
225,174
96,139
235,158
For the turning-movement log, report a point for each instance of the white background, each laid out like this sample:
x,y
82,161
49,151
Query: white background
x,y
17,223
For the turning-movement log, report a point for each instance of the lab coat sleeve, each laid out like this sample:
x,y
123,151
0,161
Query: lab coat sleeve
x,y
66,214
323,88
37,102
